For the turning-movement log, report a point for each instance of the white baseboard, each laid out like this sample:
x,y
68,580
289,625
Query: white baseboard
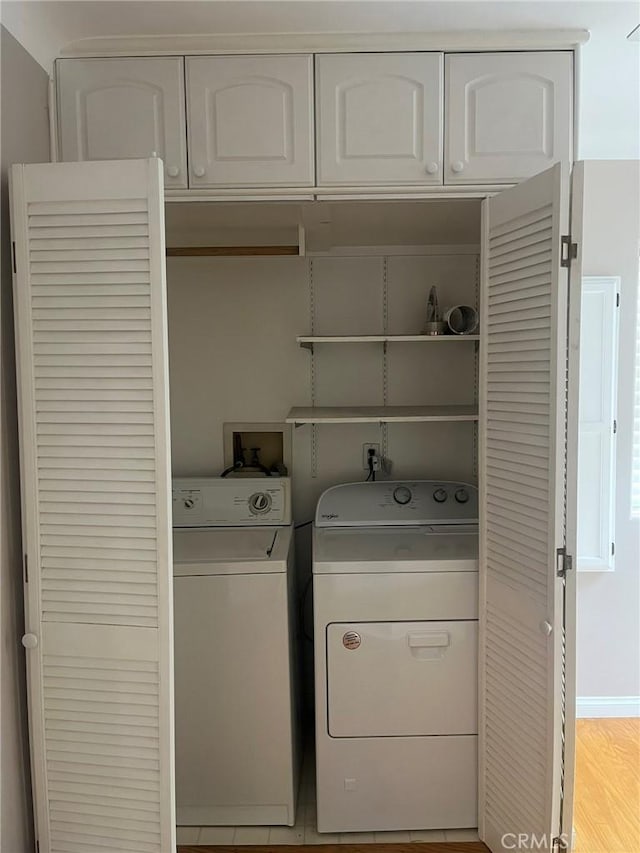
x,y
608,706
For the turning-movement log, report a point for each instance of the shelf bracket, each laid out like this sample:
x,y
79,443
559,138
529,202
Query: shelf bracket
x,y
307,345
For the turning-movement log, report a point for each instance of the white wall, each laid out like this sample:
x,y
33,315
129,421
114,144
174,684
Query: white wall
x,y
25,139
609,603
609,81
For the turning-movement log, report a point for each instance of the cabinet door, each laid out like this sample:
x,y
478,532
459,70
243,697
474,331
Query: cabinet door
x,y
122,109
508,115
379,118
250,120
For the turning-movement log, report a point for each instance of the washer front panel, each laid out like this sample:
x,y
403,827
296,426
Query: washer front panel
x,y
242,501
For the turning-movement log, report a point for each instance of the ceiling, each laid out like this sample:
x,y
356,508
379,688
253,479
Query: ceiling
x,y
46,28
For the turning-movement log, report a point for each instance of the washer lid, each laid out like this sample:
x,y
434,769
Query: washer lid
x,y
345,550
228,550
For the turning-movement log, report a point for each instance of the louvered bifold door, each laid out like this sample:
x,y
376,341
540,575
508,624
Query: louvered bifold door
x,y
522,467
91,331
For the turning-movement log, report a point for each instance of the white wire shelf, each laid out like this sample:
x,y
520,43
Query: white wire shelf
x,y
379,414
308,341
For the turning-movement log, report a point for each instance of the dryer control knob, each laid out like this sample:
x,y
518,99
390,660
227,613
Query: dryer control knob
x,y
402,495
461,496
259,503
440,496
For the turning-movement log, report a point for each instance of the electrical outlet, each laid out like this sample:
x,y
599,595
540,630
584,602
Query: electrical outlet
x,y
365,455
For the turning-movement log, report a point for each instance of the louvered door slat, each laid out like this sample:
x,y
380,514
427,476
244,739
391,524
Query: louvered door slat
x,y
522,447
92,340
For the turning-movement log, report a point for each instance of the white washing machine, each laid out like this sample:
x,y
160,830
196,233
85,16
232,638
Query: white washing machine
x,y
395,588
236,710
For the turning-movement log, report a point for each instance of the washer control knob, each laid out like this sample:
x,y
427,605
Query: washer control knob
x,y
402,495
259,503
440,496
461,496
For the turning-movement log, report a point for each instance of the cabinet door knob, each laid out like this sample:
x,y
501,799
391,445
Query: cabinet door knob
x,y
198,171
546,628
432,168
457,166
29,641
173,171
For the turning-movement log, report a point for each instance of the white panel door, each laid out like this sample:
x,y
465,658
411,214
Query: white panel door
x,y
250,120
526,656
379,118
91,338
508,115
121,109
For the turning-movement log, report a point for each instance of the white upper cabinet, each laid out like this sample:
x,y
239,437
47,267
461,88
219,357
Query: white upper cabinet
x,y
379,118
508,115
250,120
121,109
382,119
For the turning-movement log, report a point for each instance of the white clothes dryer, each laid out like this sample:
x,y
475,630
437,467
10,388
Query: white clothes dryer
x,y
235,637
395,587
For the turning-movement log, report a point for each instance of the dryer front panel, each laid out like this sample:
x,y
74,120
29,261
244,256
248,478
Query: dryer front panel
x,y
389,679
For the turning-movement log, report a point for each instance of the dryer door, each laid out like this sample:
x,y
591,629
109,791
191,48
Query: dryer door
x,y
388,679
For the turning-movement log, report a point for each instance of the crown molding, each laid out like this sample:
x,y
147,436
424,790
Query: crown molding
x,y
256,43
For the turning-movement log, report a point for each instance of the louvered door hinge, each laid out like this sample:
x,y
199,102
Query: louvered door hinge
x,y
564,562
615,426
13,256
568,250
26,569
560,843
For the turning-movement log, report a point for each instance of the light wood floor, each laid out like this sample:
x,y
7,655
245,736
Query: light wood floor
x,y
412,847
607,795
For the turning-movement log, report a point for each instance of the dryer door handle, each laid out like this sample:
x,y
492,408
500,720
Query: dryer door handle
x,y
434,639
